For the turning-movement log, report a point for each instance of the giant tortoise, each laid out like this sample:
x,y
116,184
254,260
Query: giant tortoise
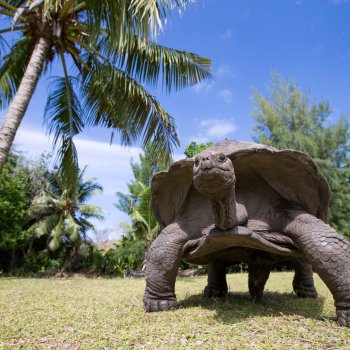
x,y
239,199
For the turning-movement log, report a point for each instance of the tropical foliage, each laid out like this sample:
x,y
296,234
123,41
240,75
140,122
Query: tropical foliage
x,y
128,253
108,45
137,203
63,215
287,119
32,200
194,148
20,182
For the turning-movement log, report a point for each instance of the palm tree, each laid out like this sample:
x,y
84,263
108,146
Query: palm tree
x,y
144,224
108,43
137,202
63,215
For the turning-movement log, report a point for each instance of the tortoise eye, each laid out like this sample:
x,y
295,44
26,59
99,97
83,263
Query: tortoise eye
x,y
196,161
221,157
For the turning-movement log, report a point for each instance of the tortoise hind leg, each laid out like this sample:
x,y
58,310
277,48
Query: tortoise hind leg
x,y
217,284
303,281
259,273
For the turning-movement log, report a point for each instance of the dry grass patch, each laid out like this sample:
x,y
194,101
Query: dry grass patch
x,y
108,314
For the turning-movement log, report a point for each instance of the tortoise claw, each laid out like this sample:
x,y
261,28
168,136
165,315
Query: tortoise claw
x,y
343,317
305,291
214,292
156,305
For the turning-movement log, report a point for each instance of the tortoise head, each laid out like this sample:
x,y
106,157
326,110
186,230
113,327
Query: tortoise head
x,y
213,174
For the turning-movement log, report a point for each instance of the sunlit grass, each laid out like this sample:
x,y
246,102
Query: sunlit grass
x,y
108,314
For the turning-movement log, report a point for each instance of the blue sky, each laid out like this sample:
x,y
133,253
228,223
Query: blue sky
x,y
304,40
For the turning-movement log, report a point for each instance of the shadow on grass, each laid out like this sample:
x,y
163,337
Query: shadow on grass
x,y
238,307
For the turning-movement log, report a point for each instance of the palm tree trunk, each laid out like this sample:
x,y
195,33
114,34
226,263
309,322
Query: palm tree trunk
x,y
20,102
69,260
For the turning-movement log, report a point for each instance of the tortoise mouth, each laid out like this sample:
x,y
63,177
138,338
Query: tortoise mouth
x,y
207,172
221,176
213,181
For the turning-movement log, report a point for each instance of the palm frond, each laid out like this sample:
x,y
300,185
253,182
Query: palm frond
x,y
85,226
12,69
71,228
64,119
106,13
124,203
91,211
87,189
123,19
145,208
114,100
8,5
137,218
16,3
151,14
67,160
35,4
7,13
56,235
177,69
45,205
46,225
4,46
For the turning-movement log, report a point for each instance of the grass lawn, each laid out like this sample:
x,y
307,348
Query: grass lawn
x,y
108,314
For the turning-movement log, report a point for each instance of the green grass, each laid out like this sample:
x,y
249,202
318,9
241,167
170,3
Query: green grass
x,y
108,314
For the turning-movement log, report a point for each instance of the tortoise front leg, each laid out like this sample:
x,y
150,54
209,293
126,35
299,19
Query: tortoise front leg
x,y
328,253
217,285
163,260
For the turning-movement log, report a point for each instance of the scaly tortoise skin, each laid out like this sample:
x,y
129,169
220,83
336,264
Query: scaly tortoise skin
x,y
237,199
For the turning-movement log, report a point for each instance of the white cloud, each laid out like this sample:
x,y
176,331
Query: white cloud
x,y
109,164
218,128
227,35
204,86
225,71
226,95
214,129
200,139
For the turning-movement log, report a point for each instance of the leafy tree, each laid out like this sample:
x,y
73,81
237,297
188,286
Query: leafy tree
x,y
137,203
128,253
63,215
149,164
20,181
287,119
194,148
144,225
108,44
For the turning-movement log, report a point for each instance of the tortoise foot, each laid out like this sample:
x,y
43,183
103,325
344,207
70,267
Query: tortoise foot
x,y
156,305
305,292
214,292
256,292
343,317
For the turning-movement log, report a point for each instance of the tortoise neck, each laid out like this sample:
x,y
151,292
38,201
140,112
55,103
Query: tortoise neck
x,y
227,212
